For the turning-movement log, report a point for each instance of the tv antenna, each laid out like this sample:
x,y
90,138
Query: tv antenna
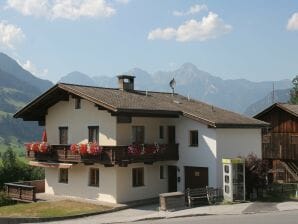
x,y
173,85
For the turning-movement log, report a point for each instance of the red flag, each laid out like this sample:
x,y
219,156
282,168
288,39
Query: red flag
x,y
44,136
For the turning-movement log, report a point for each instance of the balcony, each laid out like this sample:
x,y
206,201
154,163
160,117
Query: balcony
x,y
282,146
110,155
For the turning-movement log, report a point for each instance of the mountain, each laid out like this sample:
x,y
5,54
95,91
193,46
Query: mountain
x,y
10,66
17,88
77,78
235,95
281,96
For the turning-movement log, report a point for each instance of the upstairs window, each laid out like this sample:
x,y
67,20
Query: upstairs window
x,y
77,103
138,134
94,177
63,135
63,175
138,177
194,138
161,132
93,133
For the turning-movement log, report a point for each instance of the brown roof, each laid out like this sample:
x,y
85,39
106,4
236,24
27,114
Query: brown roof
x,y
142,103
290,108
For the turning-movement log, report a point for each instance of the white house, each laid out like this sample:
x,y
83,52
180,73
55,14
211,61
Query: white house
x,y
182,141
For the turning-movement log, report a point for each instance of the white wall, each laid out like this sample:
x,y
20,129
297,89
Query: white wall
x,y
233,143
202,156
78,120
78,183
153,185
124,131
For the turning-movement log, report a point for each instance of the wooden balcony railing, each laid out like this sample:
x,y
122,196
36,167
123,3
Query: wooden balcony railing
x,y
110,155
280,146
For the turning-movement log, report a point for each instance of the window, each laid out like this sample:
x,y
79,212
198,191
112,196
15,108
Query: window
x,y
94,177
161,132
138,177
138,134
77,103
93,134
63,175
161,172
63,135
194,138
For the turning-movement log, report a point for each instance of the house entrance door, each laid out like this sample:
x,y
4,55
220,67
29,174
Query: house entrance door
x,y
195,177
172,178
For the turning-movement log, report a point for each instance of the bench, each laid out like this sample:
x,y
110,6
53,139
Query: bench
x,y
199,195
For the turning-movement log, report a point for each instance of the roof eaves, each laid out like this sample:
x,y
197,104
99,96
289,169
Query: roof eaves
x,y
36,100
235,125
87,97
200,119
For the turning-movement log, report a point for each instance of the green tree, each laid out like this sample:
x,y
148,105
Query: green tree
x,y
12,169
294,91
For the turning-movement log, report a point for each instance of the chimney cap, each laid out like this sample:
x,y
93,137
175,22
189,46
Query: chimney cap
x,y
126,76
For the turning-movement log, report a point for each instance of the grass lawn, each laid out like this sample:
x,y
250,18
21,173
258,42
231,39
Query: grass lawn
x,y
50,209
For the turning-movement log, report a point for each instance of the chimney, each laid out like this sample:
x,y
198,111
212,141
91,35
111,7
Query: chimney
x,y
126,82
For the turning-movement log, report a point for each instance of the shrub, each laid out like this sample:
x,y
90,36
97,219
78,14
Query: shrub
x,y
5,200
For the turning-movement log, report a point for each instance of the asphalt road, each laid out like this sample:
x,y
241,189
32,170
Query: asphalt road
x,y
285,217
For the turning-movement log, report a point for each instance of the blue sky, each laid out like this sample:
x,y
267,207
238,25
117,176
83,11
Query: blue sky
x,y
255,40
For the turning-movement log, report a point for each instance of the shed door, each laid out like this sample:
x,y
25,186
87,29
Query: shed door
x,y
196,177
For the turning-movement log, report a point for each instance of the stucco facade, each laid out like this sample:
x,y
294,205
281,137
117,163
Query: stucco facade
x,y
115,183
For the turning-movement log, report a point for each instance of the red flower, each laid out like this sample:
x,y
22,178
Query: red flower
x,y
95,148
43,147
74,148
83,149
28,146
35,146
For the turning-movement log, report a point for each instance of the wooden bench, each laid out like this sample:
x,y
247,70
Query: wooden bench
x,y
199,195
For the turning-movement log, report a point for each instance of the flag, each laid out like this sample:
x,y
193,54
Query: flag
x,y
44,136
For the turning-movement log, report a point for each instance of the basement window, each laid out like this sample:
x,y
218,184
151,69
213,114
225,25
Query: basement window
x,y
138,177
161,172
94,177
63,175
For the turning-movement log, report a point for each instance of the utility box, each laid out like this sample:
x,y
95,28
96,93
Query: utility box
x,y
234,179
171,201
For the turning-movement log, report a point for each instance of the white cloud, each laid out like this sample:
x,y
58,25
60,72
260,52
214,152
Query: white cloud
x,y
66,9
29,66
210,27
192,10
10,35
124,2
293,22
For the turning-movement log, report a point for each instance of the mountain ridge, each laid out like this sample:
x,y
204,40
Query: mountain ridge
x,y
197,84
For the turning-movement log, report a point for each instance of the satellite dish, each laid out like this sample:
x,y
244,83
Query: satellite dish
x,y
173,85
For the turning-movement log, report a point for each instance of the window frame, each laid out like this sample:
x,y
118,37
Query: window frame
x,y
77,102
60,135
140,175
161,132
135,132
162,175
94,177
193,143
90,128
62,179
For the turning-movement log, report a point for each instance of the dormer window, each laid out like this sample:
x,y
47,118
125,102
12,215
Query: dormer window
x,y
77,103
